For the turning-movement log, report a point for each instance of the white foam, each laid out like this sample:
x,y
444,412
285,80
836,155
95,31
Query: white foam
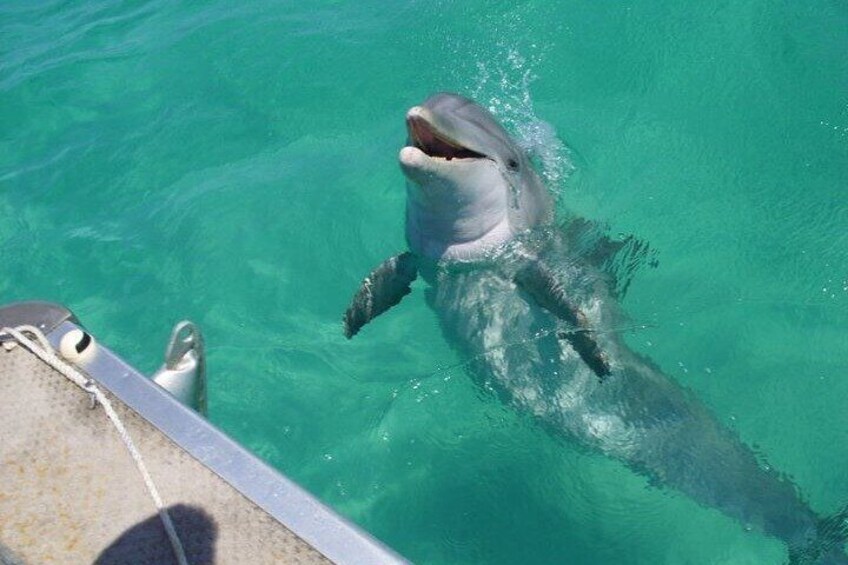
x,y
502,84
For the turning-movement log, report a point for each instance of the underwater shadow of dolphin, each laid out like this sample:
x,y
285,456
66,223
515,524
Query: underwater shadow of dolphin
x,y
479,230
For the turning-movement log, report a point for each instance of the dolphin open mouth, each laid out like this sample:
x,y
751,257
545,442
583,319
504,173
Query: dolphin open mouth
x,y
423,136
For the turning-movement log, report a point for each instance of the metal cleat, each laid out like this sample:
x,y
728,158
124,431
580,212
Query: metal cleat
x,y
184,371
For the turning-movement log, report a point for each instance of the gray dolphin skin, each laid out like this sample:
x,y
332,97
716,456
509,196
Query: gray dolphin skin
x,y
480,231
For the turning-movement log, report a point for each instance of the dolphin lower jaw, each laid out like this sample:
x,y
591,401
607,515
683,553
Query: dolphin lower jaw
x,y
455,211
417,163
457,238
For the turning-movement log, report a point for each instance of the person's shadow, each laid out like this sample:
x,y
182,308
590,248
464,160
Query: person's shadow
x,y
146,543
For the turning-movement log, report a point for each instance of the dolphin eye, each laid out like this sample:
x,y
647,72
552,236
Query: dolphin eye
x,y
512,165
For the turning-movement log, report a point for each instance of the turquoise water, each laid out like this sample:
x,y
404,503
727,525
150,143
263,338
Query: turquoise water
x,y
236,165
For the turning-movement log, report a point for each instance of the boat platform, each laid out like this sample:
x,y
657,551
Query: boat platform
x,y
70,492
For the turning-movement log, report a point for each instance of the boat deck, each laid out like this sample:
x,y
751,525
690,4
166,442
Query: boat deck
x,y
71,493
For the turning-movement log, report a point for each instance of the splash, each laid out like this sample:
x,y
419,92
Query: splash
x,y
838,125
502,83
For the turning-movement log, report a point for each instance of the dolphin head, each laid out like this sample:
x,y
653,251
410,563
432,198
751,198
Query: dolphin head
x,y
470,187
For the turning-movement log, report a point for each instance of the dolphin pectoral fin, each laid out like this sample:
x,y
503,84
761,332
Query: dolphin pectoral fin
x,y
583,342
384,287
542,285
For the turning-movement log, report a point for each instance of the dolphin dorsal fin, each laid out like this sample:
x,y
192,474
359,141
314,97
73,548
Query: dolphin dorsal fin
x,y
537,280
617,258
384,287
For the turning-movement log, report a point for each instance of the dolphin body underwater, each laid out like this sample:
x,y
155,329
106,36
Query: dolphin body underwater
x,y
479,225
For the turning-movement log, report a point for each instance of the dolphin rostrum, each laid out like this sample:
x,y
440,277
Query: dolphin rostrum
x,y
479,225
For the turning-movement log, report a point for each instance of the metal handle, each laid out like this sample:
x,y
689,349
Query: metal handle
x,y
184,371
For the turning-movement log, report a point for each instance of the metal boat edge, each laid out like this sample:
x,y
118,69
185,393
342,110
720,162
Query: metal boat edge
x,y
329,533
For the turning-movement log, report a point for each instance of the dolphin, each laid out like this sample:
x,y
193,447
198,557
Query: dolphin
x,y
480,231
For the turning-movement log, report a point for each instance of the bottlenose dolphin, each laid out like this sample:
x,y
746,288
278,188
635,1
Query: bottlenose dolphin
x,y
479,226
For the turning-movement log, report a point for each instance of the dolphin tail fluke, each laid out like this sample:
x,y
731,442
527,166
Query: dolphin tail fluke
x,y
828,548
833,531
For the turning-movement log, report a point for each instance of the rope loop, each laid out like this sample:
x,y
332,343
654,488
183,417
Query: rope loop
x,y
41,348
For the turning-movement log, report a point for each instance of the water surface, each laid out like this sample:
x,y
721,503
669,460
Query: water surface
x,y
236,165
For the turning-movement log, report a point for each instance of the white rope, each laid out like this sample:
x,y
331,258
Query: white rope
x,y
42,349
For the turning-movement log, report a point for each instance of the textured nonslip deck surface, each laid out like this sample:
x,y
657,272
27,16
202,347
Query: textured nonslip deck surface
x,y
70,492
